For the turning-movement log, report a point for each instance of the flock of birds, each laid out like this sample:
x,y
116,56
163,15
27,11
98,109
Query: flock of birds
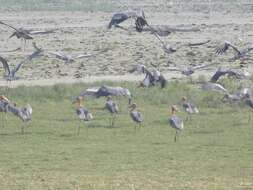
x,y
152,75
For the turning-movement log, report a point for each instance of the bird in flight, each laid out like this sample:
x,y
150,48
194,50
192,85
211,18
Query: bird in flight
x,y
9,74
239,54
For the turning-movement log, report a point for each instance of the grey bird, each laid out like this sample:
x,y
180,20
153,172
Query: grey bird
x,y
135,115
176,122
239,54
84,115
189,70
23,113
67,58
152,76
104,91
20,33
118,18
10,73
112,107
237,73
189,107
3,110
210,86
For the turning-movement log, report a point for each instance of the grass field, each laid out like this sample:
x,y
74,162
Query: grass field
x,y
214,150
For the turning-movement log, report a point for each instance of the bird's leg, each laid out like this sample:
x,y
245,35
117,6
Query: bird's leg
x,y
87,131
175,138
22,128
78,128
113,119
135,126
249,119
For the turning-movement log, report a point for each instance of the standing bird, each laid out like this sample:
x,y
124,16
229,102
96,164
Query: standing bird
x,y
10,74
20,33
4,101
249,102
112,107
82,113
135,115
189,107
176,122
239,54
23,113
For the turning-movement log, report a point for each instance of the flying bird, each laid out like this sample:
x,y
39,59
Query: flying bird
x,y
10,73
239,54
20,33
176,122
118,18
210,86
189,70
152,76
237,73
68,58
104,91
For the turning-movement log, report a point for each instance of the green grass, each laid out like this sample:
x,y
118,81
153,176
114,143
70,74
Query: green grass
x,y
214,150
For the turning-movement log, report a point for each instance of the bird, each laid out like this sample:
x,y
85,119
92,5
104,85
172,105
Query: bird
x,y
189,107
112,107
20,33
135,115
82,113
210,86
68,58
9,74
118,18
152,76
104,91
249,102
237,73
176,122
189,70
239,54
4,101
24,113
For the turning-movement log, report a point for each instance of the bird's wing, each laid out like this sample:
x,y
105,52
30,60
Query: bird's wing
x,y
203,66
5,66
83,56
59,55
37,32
27,59
9,25
222,49
7,51
199,43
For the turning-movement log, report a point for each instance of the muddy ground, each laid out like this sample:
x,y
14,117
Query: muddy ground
x,y
86,32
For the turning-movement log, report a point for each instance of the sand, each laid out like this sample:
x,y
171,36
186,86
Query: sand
x,y
86,32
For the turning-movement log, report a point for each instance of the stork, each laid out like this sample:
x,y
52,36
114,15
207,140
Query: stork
x,y
83,113
24,113
135,115
112,107
176,122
